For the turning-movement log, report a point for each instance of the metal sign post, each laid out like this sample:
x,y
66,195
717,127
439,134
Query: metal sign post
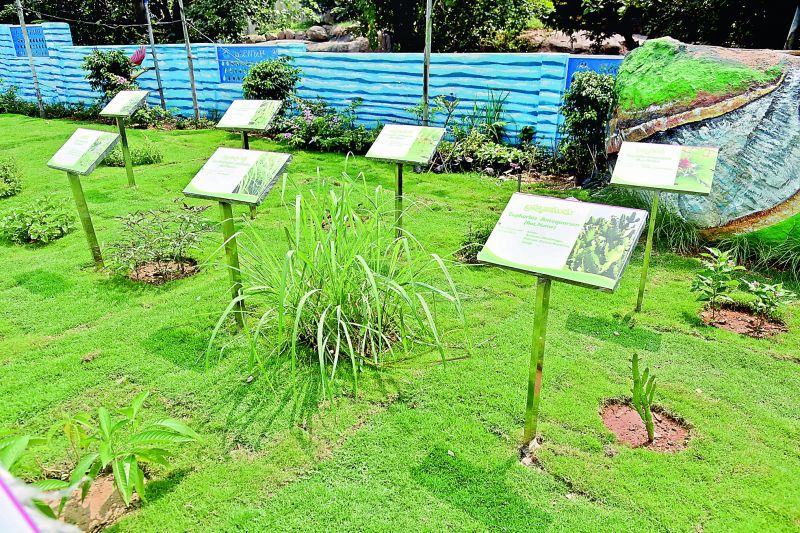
x,y
126,152
232,258
648,249
190,61
21,14
426,67
86,219
398,201
537,357
154,54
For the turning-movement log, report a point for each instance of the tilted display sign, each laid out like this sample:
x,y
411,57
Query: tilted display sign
x,y
79,156
250,115
122,107
663,167
399,144
234,175
575,242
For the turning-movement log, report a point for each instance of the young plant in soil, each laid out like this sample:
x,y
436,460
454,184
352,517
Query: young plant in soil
x,y
768,300
156,245
644,388
716,280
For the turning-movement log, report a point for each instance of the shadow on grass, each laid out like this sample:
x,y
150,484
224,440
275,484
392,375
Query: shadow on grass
x,y
481,494
616,331
158,488
181,345
43,283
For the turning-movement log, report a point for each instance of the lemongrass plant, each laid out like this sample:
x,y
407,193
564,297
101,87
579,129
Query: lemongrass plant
x,y
344,289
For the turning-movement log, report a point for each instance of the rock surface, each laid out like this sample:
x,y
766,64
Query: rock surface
x,y
744,102
577,43
317,34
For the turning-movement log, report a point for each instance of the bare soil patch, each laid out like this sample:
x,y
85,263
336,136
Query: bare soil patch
x,y
739,319
624,422
159,272
102,507
551,181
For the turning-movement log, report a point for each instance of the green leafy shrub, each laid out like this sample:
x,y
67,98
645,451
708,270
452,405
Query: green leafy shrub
x,y
346,290
142,153
11,102
768,299
164,119
473,241
38,222
10,177
163,239
587,108
644,389
717,279
317,125
273,79
109,71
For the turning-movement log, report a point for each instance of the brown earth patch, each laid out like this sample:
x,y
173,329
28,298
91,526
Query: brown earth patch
x,y
102,506
550,181
624,422
159,272
739,319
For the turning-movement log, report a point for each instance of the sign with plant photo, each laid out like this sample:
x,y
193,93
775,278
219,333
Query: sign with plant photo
x,y
567,240
666,167
84,151
249,115
238,176
406,144
124,104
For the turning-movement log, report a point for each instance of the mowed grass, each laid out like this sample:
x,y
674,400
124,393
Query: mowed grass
x,y
425,446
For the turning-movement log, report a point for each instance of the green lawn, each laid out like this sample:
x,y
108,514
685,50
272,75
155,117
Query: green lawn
x,y
424,447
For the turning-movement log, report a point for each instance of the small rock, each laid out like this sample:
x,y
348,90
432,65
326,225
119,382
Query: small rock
x,y
317,34
249,379
339,31
489,171
571,495
91,356
286,34
271,36
300,36
254,38
609,451
616,333
451,453
699,391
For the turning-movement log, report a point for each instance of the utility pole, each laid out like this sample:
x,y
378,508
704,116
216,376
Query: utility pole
x,y
21,14
190,61
426,67
155,55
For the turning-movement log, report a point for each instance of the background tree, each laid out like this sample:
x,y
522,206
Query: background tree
x,y
601,18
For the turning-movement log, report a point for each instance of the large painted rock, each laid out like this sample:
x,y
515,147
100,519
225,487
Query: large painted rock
x,y
745,102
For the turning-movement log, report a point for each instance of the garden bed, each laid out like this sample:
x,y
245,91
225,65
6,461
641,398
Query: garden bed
x,y
626,424
160,272
740,319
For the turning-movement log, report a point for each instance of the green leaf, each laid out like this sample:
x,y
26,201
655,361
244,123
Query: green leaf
x,y
82,467
47,485
11,449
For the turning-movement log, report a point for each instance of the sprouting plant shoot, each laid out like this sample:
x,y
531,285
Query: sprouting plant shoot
x,y
644,388
716,279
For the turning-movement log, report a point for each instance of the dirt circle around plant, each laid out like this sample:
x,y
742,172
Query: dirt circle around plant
x,y
739,319
625,423
160,272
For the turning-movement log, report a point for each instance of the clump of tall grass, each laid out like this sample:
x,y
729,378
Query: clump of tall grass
x,y
343,290
760,255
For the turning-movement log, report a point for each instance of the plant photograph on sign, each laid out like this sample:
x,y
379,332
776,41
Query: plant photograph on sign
x,y
604,244
696,168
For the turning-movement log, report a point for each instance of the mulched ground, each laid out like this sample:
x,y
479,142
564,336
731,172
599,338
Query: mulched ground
x,y
740,320
159,272
623,420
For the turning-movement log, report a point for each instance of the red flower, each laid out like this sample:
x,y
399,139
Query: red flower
x,y
685,163
138,56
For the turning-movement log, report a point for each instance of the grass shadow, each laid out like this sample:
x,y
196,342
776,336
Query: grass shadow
x,y
159,488
183,346
43,283
613,330
483,495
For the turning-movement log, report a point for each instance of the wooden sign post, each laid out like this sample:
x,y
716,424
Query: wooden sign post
x,y
79,156
121,108
247,116
239,176
564,240
414,145
663,168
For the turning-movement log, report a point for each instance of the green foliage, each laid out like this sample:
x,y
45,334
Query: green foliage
x,y
768,299
644,389
717,279
164,119
487,117
11,102
601,18
345,290
109,71
221,20
10,177
273,79
459,26
38,222
473,241
144,152
758,254
157,238
316,124
120,441
588,106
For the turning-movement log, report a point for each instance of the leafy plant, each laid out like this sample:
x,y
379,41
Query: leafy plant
x,y
473,242
587,108
111,71
10,177
38,222
716,280
273,79
162,239
769,298
602,245
345,290
119,441
487,117
144,152
644,388
440,104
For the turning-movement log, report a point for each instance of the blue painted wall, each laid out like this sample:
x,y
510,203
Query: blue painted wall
x,y
388,83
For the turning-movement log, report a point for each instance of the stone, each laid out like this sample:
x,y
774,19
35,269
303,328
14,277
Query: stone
x,y
577,43
317,34
254,39
742,101
361,44
286,34
271,36
299,36
339,31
